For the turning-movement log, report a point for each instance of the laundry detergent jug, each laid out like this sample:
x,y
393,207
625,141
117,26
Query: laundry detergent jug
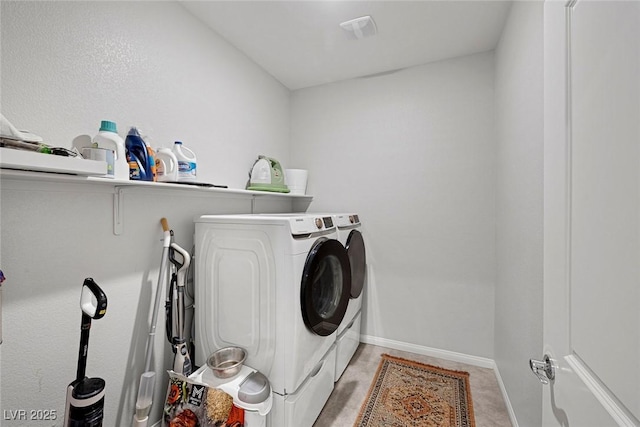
x,y
166,165
139,158
109,139
186,162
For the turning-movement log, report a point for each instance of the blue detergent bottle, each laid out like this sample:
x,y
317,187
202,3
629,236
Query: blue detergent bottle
x,y
138,157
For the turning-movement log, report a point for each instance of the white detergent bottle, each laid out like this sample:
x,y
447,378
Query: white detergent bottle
x,y
186,162
166,165
108,138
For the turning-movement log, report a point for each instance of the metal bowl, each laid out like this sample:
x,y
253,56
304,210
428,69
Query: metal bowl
x,y
227,362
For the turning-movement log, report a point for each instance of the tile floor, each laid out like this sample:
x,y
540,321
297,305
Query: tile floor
x,y
342,408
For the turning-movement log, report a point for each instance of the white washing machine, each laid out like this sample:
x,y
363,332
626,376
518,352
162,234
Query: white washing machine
x,y
348,338
278,286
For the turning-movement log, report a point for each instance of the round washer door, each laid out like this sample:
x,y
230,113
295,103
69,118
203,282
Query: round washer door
x,y
325,287
358,261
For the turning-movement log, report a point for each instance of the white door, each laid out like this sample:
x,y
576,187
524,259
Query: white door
x,y
592,213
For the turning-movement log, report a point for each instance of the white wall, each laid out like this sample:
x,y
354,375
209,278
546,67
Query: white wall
x,y
148,64
65,67
413,153
519,207
416,147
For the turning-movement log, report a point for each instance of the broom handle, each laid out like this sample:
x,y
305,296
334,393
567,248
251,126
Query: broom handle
x,y
162,278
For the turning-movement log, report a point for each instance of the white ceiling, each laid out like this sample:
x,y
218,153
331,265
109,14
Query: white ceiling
x,y
301,43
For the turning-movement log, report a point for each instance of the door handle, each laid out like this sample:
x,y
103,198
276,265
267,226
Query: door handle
x,y
543,369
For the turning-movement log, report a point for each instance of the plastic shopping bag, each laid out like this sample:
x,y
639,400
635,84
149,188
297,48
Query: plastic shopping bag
x,y
192,404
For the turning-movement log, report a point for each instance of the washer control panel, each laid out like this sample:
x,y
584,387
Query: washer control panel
x,y
310,224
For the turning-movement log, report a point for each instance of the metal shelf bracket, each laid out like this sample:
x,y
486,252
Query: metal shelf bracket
x,y
118,211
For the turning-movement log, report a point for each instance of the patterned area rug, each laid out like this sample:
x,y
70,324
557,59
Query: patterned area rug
x,y
406,393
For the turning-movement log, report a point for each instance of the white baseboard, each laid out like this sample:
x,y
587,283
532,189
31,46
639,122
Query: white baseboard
x,y
482,362
503,390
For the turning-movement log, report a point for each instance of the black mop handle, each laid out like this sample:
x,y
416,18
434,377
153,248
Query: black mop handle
x,y
84,346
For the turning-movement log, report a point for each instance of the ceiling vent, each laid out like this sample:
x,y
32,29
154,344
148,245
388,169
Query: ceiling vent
x,y
360,28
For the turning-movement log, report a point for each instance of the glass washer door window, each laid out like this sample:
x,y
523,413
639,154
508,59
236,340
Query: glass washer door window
x,y
358,260
325,287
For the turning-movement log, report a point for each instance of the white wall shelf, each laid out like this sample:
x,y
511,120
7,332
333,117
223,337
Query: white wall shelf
x,y
119,188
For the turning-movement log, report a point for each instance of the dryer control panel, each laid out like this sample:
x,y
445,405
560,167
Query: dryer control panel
x,y
347,220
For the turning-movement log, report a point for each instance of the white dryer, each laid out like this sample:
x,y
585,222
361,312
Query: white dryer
x,y
278,286
348,338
